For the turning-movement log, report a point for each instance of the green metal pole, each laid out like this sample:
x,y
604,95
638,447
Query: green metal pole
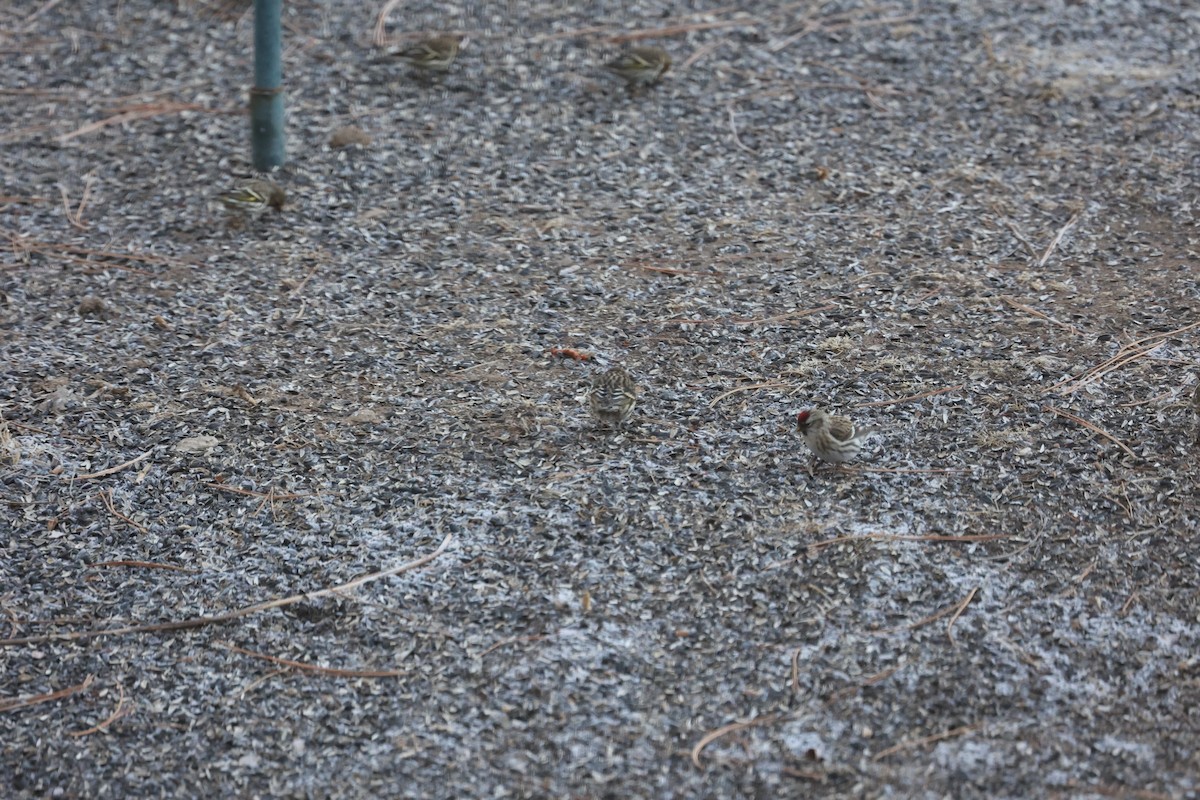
x,y
266,98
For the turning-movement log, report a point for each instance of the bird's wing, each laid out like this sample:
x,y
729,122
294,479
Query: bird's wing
x,y
841,429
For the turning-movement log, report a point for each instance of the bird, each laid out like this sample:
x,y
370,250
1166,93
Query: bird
x,y
640,66
255,196
612,396
434,54
830,437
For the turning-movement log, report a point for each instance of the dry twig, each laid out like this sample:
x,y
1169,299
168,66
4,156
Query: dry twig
x,y
911,398
748,388
732,727
1058,238
907,470
878,677
814,548
271,494
869,90
379,32
901,537
24,702
1128,604
670,271
924,740
835,23
143,565
675,30
955,610
300,665
219,619
107,499
512,640
75,254
266,498
76,217
299,287
733,129
1076,789
12,199
1092,428
958,613
1128,353
111,470
697,54
1022,307
796,670
1021,238
749,320
140,112
42,9
120,711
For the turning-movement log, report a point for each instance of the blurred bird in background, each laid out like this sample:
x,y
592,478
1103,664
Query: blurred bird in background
x,y
640,66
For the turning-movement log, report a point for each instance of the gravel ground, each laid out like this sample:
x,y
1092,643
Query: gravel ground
x,y
972,224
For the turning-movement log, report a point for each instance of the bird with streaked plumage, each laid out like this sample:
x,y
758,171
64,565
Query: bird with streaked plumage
x,y
831,437
640,66
431,55
254,196
612,396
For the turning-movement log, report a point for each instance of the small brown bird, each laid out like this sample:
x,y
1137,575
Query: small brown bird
x,y
612,396
435,54
640,66
830,437
254,197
